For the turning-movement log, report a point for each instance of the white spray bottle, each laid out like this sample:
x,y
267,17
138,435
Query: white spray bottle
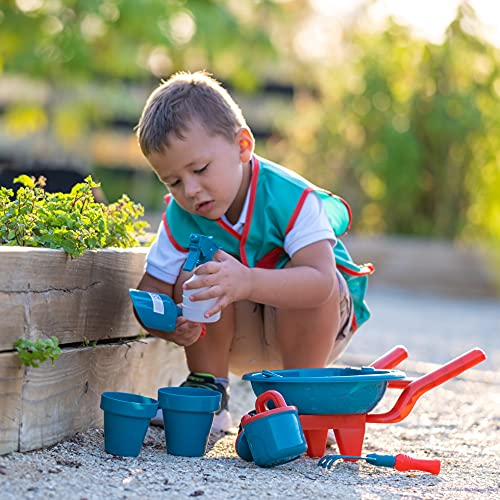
x,y
201,250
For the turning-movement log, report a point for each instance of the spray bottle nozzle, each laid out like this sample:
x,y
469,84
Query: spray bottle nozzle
x,y
201,250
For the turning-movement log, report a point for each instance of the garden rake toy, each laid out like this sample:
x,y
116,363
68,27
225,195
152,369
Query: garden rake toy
x,y
399,462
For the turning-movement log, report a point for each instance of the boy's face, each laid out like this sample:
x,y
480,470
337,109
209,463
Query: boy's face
x,y
204,173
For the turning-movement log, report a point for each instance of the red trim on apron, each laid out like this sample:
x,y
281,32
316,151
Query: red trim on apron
x,y
354,323
366,269
228,228
251,202
271,258
167,199
298,208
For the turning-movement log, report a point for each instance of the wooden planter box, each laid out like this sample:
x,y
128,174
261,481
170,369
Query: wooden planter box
x,y
44,292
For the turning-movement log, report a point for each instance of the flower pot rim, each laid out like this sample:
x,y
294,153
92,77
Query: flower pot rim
x,y
117,403
191,399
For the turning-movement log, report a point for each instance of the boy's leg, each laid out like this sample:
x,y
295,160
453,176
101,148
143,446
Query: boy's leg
x,y
310,338
316,338
208,360
265,335
210,354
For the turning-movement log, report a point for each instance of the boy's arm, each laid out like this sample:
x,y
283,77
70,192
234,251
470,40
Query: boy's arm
x,y
149,283
308,281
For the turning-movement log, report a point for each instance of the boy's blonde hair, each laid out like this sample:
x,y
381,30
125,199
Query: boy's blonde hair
x,y
185,97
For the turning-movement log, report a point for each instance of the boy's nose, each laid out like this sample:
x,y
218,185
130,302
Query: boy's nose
x,y
191,189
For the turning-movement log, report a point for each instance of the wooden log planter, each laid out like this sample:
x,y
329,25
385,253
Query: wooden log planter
x,y
84,302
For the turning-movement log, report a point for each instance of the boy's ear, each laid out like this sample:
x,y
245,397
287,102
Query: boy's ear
x,y
246,143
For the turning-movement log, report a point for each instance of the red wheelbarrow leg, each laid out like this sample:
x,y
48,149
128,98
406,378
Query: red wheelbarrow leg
x,y
349,431
350,441
316,442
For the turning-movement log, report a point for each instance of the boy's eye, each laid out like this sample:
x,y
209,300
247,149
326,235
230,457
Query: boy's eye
x,y
201,169
173,184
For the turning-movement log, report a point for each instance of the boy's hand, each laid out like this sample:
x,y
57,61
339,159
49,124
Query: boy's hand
x,y
185,334
229,280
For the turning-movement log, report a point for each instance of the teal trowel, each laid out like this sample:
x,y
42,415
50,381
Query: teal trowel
x,y
158,311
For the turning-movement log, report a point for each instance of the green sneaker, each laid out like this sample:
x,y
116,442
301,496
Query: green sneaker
x,y
222,418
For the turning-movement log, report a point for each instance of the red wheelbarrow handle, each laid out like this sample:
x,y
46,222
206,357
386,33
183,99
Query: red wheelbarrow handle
x,y
391,358
410,395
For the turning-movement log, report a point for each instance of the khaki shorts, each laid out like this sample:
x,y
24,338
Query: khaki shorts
x,y
255,345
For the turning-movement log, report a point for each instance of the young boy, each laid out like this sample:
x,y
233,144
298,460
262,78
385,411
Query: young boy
x,y
287,300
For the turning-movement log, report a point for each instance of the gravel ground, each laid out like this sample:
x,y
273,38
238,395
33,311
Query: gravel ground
x,y
457,423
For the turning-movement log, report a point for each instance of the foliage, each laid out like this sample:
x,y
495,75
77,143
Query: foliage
x,y
73,221
131,39
69,66
35,352
406,130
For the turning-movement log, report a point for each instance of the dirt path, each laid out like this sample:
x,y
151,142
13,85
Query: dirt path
x,y
457,424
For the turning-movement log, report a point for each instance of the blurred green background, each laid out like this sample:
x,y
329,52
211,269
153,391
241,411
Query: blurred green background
x,y
404,127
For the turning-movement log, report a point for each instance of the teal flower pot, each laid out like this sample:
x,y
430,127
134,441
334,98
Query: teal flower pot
x,y
188,413
126,420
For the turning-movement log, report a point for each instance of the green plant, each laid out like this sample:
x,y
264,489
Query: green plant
x,y
35,352
407,131
87,342
73,221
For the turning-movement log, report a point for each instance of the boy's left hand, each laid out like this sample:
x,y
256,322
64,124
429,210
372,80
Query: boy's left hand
x,y
229,280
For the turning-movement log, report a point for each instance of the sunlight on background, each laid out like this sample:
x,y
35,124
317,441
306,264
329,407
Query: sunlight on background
x,y
427,18
346,91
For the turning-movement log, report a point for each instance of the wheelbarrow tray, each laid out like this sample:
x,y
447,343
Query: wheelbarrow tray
x,y
327,391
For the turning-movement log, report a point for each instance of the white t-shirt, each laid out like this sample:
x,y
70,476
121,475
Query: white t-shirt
x,y
165,262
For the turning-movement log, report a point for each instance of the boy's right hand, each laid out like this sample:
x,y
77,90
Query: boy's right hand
x,y
185,334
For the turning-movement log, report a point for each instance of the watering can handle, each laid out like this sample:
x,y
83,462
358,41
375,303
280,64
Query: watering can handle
x,y
274,396
410,395
391,358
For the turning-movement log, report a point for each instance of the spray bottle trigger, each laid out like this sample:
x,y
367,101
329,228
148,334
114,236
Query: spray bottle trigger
x,y
201,250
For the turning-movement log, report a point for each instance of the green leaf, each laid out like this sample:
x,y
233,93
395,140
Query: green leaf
x,y
25,180
33,353
72,221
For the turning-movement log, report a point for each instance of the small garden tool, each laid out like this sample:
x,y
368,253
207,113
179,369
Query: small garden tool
x,y
399,462
201,250
158,311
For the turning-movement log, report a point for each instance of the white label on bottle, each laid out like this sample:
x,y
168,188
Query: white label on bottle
x,y
157,303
